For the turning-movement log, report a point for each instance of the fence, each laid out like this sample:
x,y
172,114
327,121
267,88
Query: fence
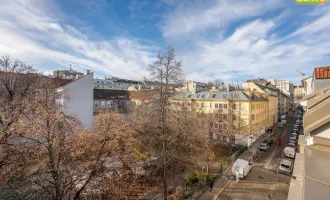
x,y
193,192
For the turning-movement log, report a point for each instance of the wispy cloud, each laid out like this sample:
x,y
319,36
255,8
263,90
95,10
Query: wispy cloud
x,y
236,40
31,33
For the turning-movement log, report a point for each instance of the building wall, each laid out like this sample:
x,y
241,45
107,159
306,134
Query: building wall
x,y
309,85
80,99
320,84
250,116
299,92
103,105
272,101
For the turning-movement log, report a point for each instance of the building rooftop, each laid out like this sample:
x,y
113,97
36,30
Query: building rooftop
x,y
110,94
317,178
217,95
322,72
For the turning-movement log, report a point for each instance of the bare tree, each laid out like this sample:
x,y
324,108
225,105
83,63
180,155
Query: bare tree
x,y
17,81
51,156
166,132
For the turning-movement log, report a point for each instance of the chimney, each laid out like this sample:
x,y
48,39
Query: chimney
x,y
70,68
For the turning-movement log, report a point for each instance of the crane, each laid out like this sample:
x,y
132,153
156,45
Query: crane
x,y
302,74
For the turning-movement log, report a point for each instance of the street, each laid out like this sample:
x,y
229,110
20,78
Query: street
x,y
263,181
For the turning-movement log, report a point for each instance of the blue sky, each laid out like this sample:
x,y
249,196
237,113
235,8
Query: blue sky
x,y
226,39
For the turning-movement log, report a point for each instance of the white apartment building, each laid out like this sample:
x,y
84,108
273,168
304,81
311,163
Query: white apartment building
x,y
77,99
284,86
116,84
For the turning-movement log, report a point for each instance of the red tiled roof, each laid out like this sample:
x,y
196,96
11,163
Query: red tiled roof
x,y
322,72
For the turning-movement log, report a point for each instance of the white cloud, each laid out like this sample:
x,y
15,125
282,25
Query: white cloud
x,y
30,33
262,45
188,18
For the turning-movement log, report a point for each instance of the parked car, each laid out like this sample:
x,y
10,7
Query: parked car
x,y
283,116
293,141
296,126
283,121
294,134
280,125
297,121
296,130
293,137
289,152
270,142
242,166
292,145
264,146
285,166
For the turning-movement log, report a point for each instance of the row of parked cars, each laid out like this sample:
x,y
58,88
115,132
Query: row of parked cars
x,y
286,164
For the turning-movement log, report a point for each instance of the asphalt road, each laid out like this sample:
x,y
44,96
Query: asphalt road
x,y
263,180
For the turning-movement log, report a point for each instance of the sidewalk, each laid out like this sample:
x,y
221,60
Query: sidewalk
x,y
221,183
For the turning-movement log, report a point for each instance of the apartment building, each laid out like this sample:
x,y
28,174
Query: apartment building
x,y
192,87
68,74
110,100
271,93
299,92
284,103
284,86
311,178
77,99
245,113
117,84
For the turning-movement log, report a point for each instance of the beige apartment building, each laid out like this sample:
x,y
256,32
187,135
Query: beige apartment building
x,y
244,114
270,92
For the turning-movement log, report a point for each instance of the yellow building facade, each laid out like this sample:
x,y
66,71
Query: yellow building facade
x,y
269,92
239,117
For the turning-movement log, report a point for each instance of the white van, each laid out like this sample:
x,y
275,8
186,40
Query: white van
x,y
289,152
285,166
283,116
242,166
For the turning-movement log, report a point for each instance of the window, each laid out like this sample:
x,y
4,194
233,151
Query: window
x,y
203,104
96,104
216,105
224,116
234,106
102,104
188,104
253,106
97,81
220,105
203,96
225,106
211,105
213,96
216,126
220,126
197,105
253,117
234,117
197,96
109,104
225,127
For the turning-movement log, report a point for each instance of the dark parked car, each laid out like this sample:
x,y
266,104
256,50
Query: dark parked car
x,y
269,142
